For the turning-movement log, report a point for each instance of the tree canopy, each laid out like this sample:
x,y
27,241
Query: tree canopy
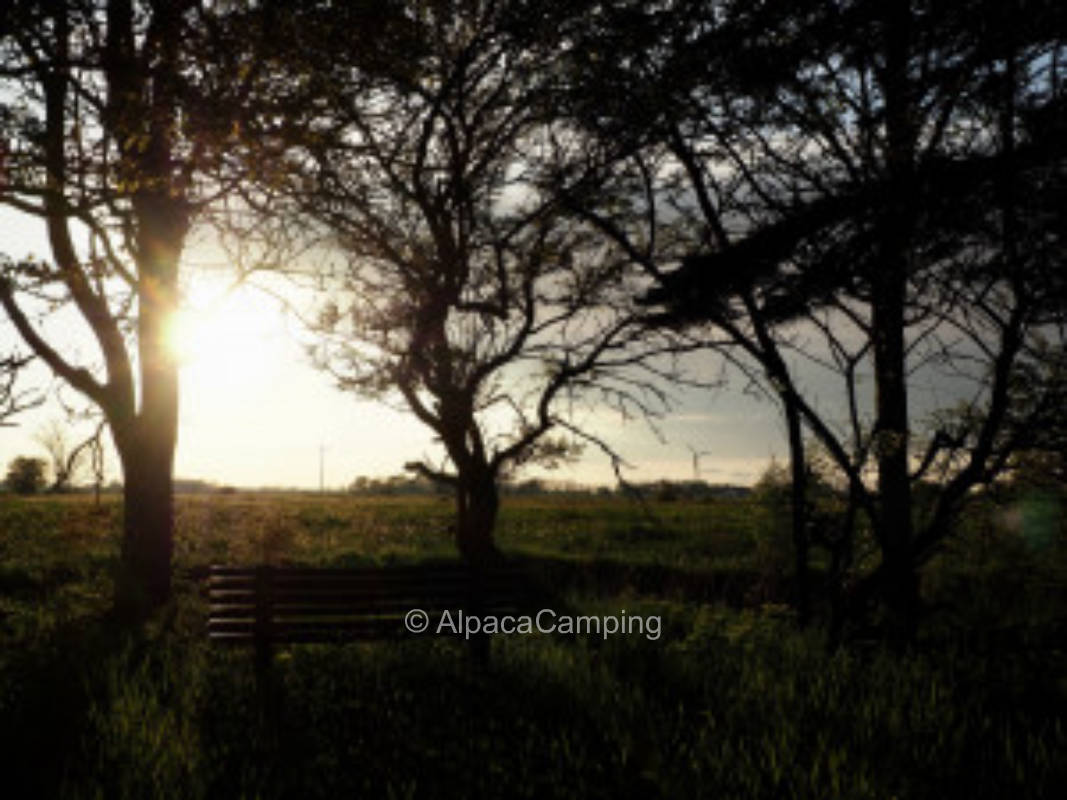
x,y
887,176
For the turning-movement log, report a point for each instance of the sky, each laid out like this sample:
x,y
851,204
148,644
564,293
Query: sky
x,y
254,412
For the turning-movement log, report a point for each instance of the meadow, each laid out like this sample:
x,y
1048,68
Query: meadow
x,y
730,701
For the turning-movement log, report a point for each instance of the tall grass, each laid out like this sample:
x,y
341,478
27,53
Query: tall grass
x,y
727,703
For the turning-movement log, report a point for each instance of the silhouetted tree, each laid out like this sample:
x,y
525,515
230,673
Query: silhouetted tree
x,y
466,291
118,118
889,173
656,90
66,459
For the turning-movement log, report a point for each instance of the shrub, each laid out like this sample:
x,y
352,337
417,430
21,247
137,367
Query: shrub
x,y
771,520
26,475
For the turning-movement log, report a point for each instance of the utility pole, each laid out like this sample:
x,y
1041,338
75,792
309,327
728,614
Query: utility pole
x,y
696,460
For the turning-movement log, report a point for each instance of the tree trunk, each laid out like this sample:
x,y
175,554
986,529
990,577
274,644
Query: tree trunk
x,y
146,445
148,526
799,472
778,373
478,502
889,283
894,484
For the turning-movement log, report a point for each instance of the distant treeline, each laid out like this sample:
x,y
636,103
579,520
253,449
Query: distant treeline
x,y
661,490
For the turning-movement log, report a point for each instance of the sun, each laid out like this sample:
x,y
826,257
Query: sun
x,y
223,335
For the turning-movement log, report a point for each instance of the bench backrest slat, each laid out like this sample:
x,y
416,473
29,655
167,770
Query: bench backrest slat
x,y
263,605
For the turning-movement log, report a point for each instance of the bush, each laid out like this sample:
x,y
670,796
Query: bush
x,y
771,527
25,475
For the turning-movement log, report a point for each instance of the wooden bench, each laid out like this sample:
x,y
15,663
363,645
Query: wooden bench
x,y
267,605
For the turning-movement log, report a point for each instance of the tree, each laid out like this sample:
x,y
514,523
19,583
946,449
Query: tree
x,y
118,118
954,263
661,119
64,461
12,400
467,291
883,179
67,460
26,475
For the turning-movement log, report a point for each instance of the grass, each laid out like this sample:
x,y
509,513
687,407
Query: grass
x,y
731,701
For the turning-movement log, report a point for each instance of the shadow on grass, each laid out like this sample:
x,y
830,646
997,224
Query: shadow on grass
x,y
414,719
734,586
49,684
34,583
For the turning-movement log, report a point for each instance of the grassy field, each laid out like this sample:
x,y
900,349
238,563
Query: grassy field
x,y
731,700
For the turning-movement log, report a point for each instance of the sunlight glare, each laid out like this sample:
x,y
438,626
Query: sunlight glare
x,y
224,336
